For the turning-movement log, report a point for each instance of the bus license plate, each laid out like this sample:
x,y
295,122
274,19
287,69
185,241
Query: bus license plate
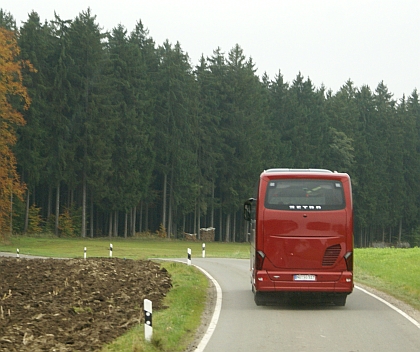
x,y
301,277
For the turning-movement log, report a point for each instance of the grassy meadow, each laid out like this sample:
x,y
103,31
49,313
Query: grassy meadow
x,y
391,270
395,271
131,248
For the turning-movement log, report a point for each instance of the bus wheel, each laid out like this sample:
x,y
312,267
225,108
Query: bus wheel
x,y
259,299
340,300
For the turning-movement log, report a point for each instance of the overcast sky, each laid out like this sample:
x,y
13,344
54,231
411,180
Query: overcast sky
x,y
329,41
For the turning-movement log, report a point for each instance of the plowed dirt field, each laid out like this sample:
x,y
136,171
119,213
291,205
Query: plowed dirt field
x,y
74,304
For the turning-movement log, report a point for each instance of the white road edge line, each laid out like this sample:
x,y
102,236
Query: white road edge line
x,y
214,319
405,315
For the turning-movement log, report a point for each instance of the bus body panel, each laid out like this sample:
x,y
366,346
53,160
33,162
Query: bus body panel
x,y
297,243
300,241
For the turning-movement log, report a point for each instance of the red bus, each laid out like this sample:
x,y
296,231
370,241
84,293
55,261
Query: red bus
x,y
301,235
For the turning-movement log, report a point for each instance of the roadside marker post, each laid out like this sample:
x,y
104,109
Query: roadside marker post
x,y
84,253
110,250
17,253
148,328
204,250
189,256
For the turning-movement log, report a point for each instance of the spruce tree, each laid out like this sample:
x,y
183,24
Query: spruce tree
x,y
91,122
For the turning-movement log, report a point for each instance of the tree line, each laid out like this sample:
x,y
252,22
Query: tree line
x,y
125,136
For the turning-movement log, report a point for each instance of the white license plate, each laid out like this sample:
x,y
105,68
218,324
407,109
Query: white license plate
x,y
301,277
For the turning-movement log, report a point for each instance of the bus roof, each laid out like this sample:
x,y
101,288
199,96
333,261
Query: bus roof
x,y
298,170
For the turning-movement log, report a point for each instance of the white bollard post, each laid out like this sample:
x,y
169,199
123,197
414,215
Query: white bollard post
x,y
189,256
17,253
204,250
110,250
84,253
148,329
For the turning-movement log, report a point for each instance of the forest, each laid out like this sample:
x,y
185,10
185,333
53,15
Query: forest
x,y
126,136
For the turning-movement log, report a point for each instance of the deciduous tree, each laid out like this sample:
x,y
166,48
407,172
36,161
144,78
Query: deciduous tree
x,y
12,95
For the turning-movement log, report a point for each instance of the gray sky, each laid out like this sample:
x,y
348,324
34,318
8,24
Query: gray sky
x,y
329,41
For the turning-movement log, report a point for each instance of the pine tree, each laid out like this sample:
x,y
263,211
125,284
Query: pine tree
x,y
279,153
7,20
133,154
208,150
59,154
410,111
91,123
175,140
36,46
236,102
342,115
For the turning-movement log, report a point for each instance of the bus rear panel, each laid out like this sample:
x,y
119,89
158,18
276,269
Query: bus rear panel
x,y
301,235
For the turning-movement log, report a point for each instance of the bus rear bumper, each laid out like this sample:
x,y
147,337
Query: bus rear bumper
x,y
328,282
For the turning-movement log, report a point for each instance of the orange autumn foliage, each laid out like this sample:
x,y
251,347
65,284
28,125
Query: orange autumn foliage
x,y
10,87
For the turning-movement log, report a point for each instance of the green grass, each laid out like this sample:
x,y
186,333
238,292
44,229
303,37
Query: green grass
x,y
173,328
395,271
124,248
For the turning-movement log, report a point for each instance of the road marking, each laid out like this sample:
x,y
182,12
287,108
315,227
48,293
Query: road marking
x,y
405,315
212,326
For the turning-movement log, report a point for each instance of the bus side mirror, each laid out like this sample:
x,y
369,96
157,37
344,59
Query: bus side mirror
x,y
248,209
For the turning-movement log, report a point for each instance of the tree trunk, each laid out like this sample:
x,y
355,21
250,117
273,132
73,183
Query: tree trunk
x,y
234,228
141,217
195,220
110,225
171,202
125,224
11,212
165,178
133,221
49,206
221,225
198,222
212,206
57,209
91,217
228,228
400,232
116,223
146,220
84,206
169,228
25,228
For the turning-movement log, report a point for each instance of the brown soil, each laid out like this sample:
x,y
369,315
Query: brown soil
x,y
75,304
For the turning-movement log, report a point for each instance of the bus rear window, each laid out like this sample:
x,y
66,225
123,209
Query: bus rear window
x,y
304,194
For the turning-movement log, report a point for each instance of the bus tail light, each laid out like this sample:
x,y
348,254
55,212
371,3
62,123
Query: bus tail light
x,y
349,260
259,260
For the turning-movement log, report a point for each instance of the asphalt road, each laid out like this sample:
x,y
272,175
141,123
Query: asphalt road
x,y
364,324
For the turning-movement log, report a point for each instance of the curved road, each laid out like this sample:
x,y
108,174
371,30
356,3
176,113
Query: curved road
x,y
364,324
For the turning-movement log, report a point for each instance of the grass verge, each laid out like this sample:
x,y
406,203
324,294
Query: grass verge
x,y
173,328
394,271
